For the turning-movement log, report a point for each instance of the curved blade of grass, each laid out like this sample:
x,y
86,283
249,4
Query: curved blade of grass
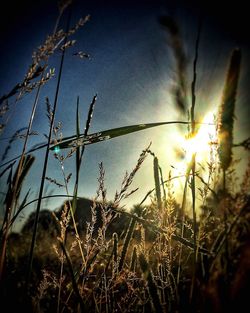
x,y
74,141
69,142
6,169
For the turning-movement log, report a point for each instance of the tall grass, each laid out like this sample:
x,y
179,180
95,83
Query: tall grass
x,y
156,257
227,111
193,161
30,261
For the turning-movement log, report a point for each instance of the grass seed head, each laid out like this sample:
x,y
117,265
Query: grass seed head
x,y
227,108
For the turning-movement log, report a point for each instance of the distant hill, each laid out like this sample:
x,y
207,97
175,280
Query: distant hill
x,y
82,215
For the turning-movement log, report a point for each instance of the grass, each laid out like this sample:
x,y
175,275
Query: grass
x,y
94,256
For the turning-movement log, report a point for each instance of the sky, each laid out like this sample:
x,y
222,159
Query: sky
x,y
131,69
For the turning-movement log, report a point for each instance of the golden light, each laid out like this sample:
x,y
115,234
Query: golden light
x,y
201,144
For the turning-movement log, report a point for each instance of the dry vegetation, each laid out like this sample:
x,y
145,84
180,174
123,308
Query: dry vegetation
x,y
93,256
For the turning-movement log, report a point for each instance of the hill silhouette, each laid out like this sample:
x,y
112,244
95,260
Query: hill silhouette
x,y
83,215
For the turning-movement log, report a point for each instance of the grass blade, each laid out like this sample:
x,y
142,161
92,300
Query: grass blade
x,y
72,141
68,142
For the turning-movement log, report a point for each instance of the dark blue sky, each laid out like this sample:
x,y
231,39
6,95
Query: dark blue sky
x,y
131,69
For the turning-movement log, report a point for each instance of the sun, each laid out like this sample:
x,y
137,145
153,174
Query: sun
x,y
202,144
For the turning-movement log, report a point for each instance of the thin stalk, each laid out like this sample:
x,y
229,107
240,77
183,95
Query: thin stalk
x,y
157,184
162,184
20,165
11,208
80,150
79,157
187,175
19,171
60,284
74,283
225,222
30,260
127,240
133,260
151,285
207,186
193,131
65,238
115,253
180,252
224,180
72,216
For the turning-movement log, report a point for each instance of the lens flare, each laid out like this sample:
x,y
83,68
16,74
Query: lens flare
x,y
57,150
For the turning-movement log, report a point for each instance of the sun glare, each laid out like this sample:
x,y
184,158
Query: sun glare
x,y
201,144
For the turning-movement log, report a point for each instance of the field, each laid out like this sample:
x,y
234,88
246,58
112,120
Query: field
x,y
184,247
